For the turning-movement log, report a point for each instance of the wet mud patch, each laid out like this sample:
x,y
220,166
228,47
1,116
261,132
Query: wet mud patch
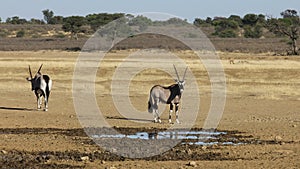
x,y
188,146
188,137
39,131
182,136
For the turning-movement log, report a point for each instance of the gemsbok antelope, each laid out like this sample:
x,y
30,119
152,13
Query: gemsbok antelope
x,y
41,85
167,95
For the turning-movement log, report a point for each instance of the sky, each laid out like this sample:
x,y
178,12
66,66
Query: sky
x,y
186,9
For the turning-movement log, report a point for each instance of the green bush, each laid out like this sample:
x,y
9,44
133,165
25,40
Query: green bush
x,y
20,34
225,28
228,33
253,32
250,19
4,33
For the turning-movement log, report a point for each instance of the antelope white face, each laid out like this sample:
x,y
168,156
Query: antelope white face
x,y
181,84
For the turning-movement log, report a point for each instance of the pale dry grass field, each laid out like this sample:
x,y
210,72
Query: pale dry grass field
x,y
262,101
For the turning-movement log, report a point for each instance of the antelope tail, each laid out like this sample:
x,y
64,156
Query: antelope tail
x,y
149,107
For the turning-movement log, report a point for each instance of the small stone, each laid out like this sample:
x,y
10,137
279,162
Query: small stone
x,y
113,150
203,147
294,125
4,152
192,164
19,159
103,162
278,138
85,158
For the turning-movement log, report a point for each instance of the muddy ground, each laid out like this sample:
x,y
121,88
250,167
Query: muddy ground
x,y
261,111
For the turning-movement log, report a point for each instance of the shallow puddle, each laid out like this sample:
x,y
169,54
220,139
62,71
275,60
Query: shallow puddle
x,y
192,137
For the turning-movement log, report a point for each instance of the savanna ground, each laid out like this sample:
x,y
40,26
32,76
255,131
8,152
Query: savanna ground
x,y
262,105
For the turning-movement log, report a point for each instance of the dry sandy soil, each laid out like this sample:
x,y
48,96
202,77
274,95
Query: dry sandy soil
x,y
262,110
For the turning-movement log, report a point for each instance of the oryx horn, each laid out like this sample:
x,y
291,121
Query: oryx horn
x,y
176,72
40,68
184,74
30,71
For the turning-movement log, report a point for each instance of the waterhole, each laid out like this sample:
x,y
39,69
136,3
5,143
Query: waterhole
x,y
190,137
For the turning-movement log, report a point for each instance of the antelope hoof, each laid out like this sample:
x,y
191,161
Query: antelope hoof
x,y
177,121
170,121
157,120
45,109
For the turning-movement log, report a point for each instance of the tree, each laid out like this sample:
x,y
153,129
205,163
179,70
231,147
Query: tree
x,y
202,22
198,22
261,19
237,19
253,25
8,20
289,13
225,28
16,20
253,31
176,21
48,16
141,21
97,20
73,25
57,19
287,26
208,20
115,30
250,19
36,21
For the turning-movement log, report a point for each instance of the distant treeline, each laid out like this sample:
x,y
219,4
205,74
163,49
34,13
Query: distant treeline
x,y
248,26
